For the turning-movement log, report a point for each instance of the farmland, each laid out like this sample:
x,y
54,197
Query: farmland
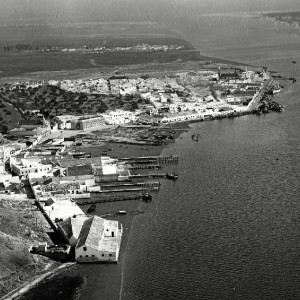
x,y
17,63
35,49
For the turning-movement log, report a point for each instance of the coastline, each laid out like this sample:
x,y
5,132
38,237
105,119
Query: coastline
x,y
90,274
21,290
110,275
108,280
107,275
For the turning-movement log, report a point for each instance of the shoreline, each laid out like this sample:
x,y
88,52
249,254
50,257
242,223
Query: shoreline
x,y
23,289
116,150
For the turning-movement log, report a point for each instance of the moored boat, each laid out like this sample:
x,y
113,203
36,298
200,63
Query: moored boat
x,y
172,176
91,208
146,197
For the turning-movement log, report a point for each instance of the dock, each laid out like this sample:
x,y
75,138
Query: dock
x,y
131,184
160,160
132,189
145,167
110,199
149,176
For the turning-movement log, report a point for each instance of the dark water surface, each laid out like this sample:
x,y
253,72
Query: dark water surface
x,y
227,229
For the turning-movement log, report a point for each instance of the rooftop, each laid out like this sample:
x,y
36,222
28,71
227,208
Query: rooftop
x,y
63,209
79,170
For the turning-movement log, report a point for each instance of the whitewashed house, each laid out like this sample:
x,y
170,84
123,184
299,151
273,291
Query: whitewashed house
x,y
99,241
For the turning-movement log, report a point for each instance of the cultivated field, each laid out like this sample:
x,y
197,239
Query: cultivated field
x,y
43,44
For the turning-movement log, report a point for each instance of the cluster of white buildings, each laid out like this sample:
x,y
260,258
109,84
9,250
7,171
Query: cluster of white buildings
x,y
136,48
184,96
116,117
56,182
91,86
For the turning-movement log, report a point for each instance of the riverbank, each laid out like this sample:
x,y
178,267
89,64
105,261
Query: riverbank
x,y
15,294
100,278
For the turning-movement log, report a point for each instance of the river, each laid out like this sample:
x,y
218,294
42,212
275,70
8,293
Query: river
x,y
227,228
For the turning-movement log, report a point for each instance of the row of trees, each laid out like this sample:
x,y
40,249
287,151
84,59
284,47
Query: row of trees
x,y
19,47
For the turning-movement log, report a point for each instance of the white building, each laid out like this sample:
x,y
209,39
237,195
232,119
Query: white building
x,y
8,150
62,209
99,241
111,166
180,117
26,166
119,117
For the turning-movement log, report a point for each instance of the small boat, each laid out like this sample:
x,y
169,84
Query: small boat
x,y
91,208
277,90
146,197
172,176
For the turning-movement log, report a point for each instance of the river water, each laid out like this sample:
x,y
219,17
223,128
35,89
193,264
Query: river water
x,y
227,228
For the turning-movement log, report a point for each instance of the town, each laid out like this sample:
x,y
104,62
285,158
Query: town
x,y
57,139
121,99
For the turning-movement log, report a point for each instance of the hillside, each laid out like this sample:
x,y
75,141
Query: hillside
x,y
20,228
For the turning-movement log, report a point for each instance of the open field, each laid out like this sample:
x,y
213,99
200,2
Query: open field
x,y
15,61
12,64
95,34
152,68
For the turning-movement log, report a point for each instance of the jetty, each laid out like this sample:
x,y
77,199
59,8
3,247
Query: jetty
x,y
160,160
138,197
149,176
130,184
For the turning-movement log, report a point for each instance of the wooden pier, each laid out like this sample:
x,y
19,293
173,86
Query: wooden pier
x,y
131,184
110,199
160,160
145,167
135,189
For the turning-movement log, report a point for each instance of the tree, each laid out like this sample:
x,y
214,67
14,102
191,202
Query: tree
x,y
4,128
134,106
102,107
